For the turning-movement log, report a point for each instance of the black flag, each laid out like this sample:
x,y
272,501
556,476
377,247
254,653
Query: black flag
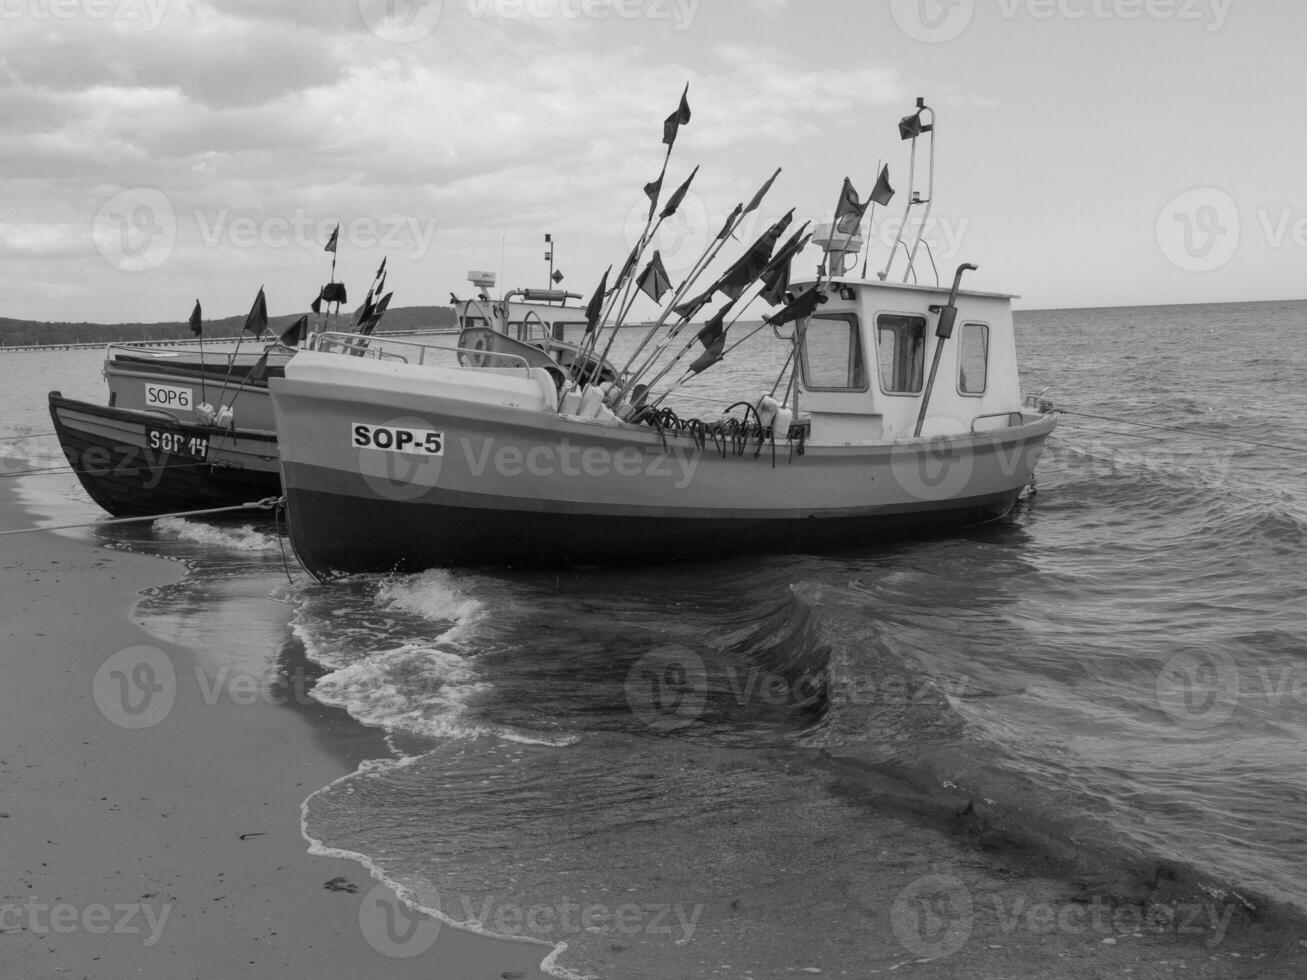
x,y
713,329
295,332
257,320
709,357
762,191
653,282
331,242
677,119
800,308
882,192
674,201
848,212
197,326
595,308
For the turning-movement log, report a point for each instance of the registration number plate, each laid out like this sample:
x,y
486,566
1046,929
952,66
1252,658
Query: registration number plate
x,y
174,443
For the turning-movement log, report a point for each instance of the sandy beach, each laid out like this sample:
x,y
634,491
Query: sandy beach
x,y
158,834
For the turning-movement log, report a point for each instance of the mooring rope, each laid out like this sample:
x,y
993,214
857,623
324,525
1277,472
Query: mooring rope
x,y
267,503
1208,433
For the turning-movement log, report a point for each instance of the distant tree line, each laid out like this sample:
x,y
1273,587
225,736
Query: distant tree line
x,y
29,333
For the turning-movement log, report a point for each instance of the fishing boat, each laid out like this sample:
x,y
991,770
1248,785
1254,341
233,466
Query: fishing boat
x,y
404,462
189,430
137,463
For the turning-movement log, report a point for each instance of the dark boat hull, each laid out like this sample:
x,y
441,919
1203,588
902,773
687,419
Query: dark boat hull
x,y
368,535
139,464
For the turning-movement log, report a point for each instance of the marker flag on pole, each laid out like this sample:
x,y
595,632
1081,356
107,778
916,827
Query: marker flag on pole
x,y
709,357
331,242
260,368
714,329
256,321
882,192
800,308
678,195
848,212
762,192
653,282
197,325
595,308
295,332
677,119
749,266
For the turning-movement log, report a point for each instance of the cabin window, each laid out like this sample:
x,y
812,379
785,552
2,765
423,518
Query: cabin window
x,y
832,353
901,352
973,359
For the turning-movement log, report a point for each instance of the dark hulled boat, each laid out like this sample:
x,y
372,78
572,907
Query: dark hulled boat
x,y
139,463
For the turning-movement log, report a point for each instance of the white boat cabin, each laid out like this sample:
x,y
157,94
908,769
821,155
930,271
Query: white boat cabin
x,y
865,356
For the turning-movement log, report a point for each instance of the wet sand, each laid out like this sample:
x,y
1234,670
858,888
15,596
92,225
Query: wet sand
x,y
150,829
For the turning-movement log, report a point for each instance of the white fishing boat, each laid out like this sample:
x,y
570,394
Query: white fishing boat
x,y
903,414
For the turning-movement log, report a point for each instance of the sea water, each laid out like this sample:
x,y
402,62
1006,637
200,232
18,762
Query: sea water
x,y
689,767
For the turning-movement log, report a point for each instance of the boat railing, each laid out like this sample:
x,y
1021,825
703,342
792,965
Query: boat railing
x,y
345,343
1014,419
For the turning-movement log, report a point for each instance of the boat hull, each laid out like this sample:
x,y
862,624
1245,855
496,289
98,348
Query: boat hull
x,y
139,464
506,483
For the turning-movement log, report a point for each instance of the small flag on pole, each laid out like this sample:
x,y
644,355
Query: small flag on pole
x,y
714,329
678,195
653,282
677,119
848,212
882,192
709,357
762,191
316,305
798,310
595,308
257,320
197,325
331,242
295,332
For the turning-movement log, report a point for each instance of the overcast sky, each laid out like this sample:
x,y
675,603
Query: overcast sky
x,y
1092,152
